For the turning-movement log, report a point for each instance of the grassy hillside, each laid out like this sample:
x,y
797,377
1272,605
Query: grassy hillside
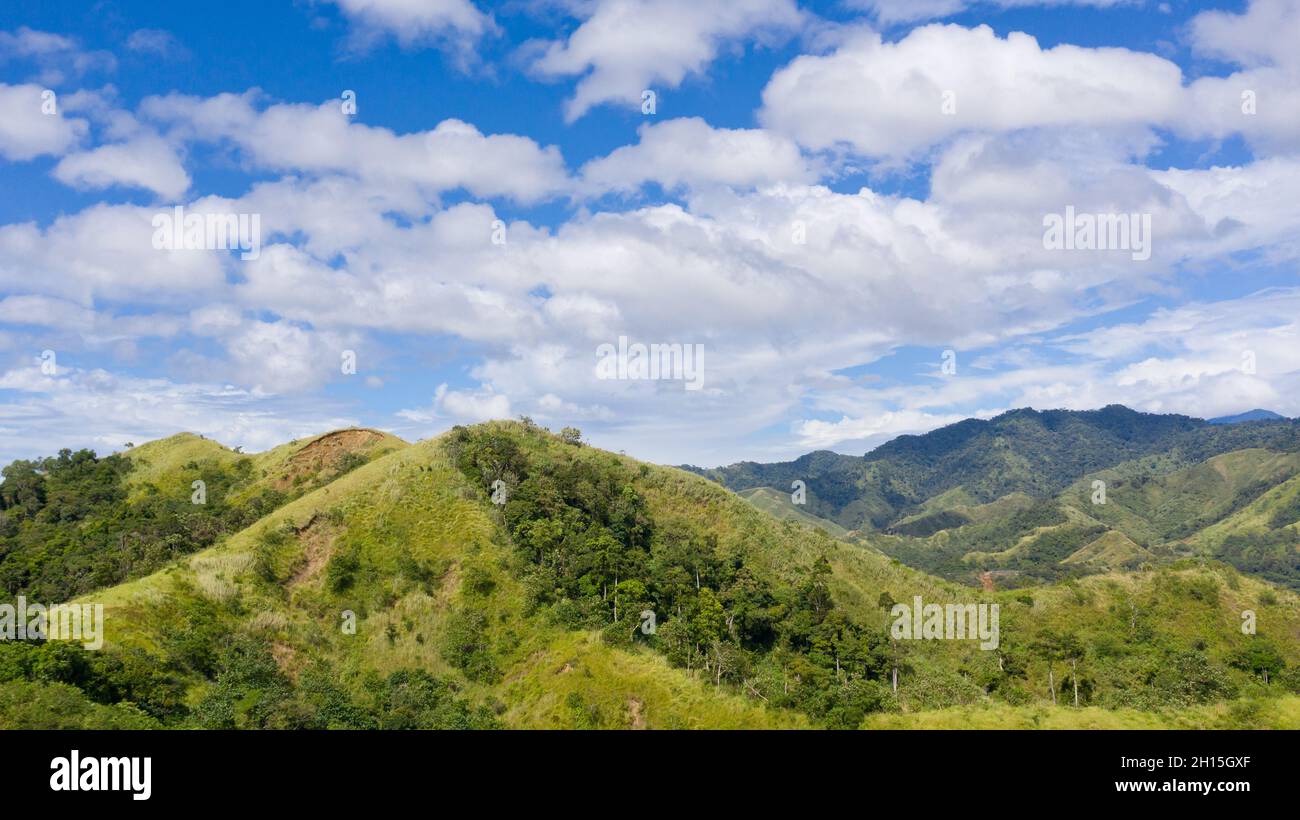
x,y
1276,713
75,522
399,594
778,505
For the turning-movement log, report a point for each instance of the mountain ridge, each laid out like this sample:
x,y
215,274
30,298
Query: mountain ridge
x,y
1250,415
1023,450
500,575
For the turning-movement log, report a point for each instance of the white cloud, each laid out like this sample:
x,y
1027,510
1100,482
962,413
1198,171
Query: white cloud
x,y
156,42
965,268
89,326
481,404
58,59
689,153
358,248
27,132
892,99
627,46
104,253
820,435
1203,359
1267,33
888,12
101,410
145,162
322,140
455,23
1261,102
897,100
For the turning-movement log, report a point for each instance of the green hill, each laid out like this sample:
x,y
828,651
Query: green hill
x,y
400,594
1113,550
75,522
778,505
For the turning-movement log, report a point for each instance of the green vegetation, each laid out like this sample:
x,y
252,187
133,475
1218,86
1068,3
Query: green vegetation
x,y
1174,487
591,556
73,523
1021,451
398,593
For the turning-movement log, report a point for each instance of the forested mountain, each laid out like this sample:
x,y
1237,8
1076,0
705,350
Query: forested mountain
x,y
503,576
1021,451
1249,415
1015,498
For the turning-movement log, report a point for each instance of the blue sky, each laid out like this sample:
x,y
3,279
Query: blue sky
x,y
830,199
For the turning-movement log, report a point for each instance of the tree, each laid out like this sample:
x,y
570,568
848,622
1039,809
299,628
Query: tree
x,y
707,625
1057,647
571,435
817,591
1072,649
1259,658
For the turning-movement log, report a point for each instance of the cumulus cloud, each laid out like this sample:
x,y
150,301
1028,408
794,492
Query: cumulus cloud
x,y
816,434
1262,101
1202,359
322,140
780,312
146,162
78,407
689,153
455,24
792,288
28,131
626,46
481,404
1266,34
104,253
899,98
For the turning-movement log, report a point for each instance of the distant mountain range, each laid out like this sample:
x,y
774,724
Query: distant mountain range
x,y
1249,415
962,500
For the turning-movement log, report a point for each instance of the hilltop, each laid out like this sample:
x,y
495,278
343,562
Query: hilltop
x,y
1249,415
73,522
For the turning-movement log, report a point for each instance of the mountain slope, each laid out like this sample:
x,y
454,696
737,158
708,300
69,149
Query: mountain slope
x,y
76,522
399,594
1249,415
1021,451
778,505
